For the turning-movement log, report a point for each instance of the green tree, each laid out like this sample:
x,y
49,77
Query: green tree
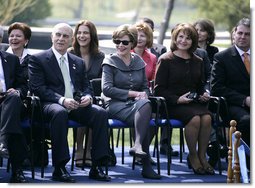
x,y
223,12
41,9
11,8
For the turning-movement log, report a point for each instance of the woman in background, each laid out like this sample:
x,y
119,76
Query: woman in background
x,y
206,36
85,45
144,42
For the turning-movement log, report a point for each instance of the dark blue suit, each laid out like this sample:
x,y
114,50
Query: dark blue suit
x,y
10,109
46,81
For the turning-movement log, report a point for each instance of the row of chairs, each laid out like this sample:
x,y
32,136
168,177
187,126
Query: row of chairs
x,y
158,121
217,105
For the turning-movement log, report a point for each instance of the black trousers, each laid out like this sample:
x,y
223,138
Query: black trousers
x,y
10,130
91,116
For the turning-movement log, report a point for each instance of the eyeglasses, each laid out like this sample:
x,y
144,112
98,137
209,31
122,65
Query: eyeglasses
x,y
124,42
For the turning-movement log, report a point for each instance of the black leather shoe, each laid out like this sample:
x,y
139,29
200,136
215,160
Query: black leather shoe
x,y
3,151
163,150
98,174
61,174
18,177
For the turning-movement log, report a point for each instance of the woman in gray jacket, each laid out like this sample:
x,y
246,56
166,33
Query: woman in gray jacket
x,y
125,88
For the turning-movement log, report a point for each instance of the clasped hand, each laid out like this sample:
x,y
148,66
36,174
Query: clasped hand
x,y
185,100
72,104
141,95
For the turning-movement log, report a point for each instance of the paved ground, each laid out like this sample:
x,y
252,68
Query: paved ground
x,y
123,173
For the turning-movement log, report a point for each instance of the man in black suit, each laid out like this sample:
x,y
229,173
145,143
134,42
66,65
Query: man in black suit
x,y
231,79
13,88
55,87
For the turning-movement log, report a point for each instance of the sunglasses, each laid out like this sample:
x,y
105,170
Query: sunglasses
x,y
124,42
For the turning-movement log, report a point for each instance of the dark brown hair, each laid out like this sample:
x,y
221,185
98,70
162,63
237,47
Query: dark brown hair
x,y
23,27
189,30
93,46
208,26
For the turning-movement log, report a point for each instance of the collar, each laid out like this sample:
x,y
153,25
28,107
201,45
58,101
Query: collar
x,y
24,54
58,55
241,52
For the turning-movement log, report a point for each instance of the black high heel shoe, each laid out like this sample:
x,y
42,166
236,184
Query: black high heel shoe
x,y
199,171
209,170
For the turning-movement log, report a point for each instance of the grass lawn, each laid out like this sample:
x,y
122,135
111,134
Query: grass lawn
x,y
175,137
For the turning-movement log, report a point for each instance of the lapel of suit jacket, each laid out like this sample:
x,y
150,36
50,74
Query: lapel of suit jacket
x,y
53,64
239,62
5,69
72,67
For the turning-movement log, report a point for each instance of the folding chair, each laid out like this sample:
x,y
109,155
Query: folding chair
x,y
38,121
218,106
117,124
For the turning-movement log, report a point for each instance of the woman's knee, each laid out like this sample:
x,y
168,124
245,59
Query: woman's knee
x,y
195,121
146,108
206,120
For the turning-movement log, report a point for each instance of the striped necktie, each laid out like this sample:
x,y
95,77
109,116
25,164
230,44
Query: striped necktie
x,y
67,79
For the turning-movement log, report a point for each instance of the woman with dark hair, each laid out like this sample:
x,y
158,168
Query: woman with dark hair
x,y
85,45
19,35
206,36
180,80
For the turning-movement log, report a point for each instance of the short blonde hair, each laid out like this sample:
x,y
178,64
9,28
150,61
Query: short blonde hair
x,y
142,26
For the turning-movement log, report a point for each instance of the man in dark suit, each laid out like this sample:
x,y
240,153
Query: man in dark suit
x,y
13,88
231,79
55,87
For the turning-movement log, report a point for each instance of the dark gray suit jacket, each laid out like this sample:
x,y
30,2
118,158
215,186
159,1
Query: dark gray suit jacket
x,y
229,77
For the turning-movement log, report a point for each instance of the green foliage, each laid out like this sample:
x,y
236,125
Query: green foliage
x,y
223,12
40,10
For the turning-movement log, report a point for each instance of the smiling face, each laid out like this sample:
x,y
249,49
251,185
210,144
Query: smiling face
x,y
122,49
83,36
17,39
142,39
61,37
183,41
